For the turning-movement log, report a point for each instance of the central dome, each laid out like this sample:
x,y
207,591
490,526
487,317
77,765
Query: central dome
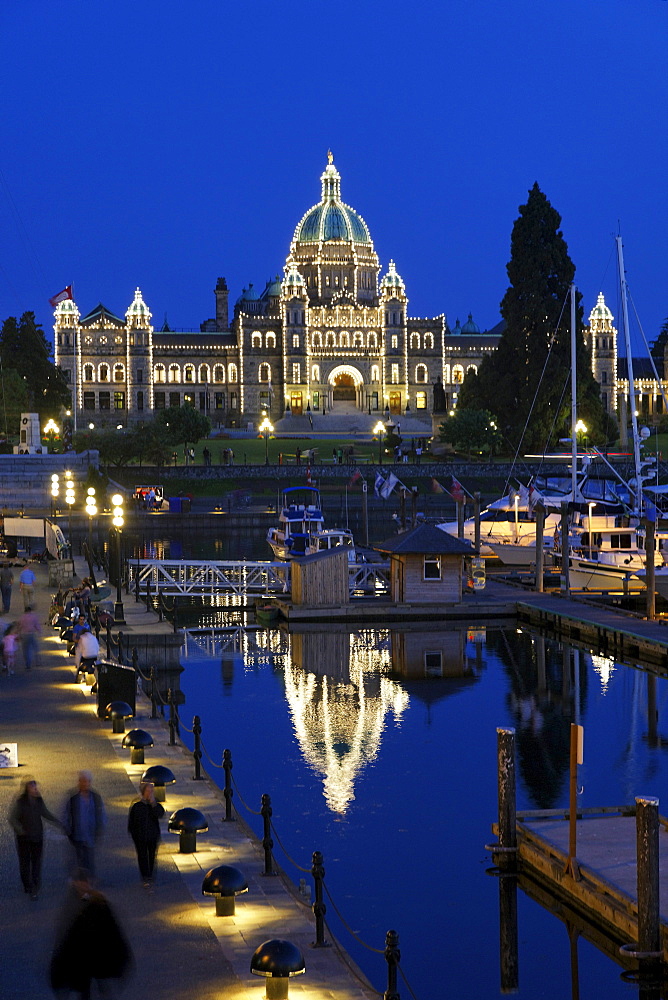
x,y
331,219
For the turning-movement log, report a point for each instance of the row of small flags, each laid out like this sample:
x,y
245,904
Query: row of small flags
x,y
384,487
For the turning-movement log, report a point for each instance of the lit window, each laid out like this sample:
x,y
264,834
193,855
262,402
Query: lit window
x,y
296,372
329,342
420,373
219,373
395,375
159,373
315,373
256,340
119,373
104,373
88,373
204,373
372,340
446,374
295,340
316,339
189,373
394,341
420,400
415,341
375,373
174,373
270,340
358,340
429,341
457,374
344,340
432,567
119,400
231,372
264,374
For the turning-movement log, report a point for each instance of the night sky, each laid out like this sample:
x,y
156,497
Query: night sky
x,y
164,144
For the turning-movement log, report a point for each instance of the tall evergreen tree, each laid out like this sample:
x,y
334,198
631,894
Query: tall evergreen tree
x,y
526,390
25,350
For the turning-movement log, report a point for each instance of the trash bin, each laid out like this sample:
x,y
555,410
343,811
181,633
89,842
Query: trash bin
x,y
114,683
185,505
175,505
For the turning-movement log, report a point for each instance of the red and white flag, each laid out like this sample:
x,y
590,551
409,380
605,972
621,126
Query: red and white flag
x,y
457,491
61,296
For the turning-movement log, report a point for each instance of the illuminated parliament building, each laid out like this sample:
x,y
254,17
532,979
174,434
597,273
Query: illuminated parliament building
x,y
331,335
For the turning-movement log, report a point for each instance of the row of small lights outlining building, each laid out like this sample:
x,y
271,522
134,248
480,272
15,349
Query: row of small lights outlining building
x,y
331,329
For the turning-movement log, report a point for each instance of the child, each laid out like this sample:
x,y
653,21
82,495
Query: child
x,y
9,641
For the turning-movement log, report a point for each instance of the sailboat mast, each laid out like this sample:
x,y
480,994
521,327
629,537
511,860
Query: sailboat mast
x,y
574,400
629,364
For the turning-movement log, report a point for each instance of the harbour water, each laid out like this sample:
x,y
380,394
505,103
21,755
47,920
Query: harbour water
x,y
378,748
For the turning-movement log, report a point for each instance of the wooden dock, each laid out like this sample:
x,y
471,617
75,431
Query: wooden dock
x,y
606,851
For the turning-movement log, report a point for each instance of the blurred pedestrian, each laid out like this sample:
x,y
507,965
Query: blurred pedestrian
x,y
25,818
6,581
27,585
9,644
144,828
29,630
90,944
84,820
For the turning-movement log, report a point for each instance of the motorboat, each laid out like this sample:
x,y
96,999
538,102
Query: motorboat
x,y
606,553
299,520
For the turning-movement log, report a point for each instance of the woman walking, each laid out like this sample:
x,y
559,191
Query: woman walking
x,y
144,828
25,818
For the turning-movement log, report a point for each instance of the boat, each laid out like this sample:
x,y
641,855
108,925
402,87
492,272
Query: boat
x,y
266,611
605,553
299,520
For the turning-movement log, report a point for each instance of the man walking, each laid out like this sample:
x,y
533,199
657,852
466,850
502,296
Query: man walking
x,y
27,585
6,581
84,820
29,630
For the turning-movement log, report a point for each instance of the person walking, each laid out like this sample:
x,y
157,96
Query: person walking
x,y
9,644
144,828
27,586
90,943
26,819
29,630
6,581
84,820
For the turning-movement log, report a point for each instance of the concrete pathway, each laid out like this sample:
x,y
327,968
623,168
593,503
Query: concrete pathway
x,y
181,947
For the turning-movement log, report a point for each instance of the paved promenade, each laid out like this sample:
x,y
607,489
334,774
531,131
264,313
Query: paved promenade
x,y
181,948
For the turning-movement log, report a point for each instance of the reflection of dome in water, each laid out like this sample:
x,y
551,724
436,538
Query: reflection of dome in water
x,y
339,725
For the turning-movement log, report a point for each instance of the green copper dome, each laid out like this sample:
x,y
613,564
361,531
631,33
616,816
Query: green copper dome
x,y
332,219
470,326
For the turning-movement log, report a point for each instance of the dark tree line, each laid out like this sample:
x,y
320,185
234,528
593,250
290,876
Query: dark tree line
x,y
29,380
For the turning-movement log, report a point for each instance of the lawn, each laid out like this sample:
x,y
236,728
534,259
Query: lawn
x,y
251,451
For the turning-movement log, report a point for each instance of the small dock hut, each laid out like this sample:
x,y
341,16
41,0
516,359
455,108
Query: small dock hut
x,y
426,565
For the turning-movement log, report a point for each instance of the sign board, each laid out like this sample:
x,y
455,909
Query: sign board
x,y
24,527
478,572
9,754
580,745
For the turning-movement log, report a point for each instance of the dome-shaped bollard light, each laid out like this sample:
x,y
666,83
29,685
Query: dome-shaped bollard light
x,y
225,883
118,712
136,741
160,776
278,961
187,822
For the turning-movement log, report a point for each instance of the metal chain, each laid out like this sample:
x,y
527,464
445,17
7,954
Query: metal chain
x,y
403,976
178,719
210,758
255,812
343,955
378,951
280,844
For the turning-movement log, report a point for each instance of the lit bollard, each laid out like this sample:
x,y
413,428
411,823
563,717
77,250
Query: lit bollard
x,y
187,823
225,883
277,960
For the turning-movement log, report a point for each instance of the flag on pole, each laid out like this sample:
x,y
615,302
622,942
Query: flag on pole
x,y
61,296
650,510
389,485
355,478
378,484
523,493
436,487
535,496
457,491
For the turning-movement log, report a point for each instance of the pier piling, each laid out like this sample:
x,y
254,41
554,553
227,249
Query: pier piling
x,y
647,846
505,745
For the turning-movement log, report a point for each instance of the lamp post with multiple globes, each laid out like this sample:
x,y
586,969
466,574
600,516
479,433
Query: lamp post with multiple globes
x,y
379,429
266,428
55,490
69,500
118,521
91,510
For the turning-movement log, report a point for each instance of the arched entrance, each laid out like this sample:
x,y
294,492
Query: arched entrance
x,y
346,385
344,388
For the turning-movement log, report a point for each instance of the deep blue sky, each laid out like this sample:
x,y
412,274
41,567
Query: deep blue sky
x,y
163,144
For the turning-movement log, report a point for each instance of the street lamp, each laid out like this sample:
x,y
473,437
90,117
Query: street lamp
x,y
51,431
581,428
266,428
91,510
55,490
379,429
69,500
117,521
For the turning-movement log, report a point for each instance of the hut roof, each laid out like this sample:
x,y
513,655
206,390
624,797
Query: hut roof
x,y
425,539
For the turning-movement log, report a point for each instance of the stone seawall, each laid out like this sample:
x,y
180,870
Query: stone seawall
x,y
26,479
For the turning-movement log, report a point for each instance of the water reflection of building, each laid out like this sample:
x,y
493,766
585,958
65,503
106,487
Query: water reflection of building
x,y
339,691
433,665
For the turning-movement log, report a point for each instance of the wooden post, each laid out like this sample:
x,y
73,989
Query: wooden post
x,y
572,866
540,532
505,750
461,509
565,550
508,937
365,511
647,848
650,591
476,522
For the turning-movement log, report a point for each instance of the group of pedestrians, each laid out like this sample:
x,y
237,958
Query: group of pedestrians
x,y
90,945
82,821
27,628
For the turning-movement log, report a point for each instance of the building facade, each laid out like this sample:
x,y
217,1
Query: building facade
x,y
332,334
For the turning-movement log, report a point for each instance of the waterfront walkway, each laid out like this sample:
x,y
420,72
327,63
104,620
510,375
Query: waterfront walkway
x,y
180,947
